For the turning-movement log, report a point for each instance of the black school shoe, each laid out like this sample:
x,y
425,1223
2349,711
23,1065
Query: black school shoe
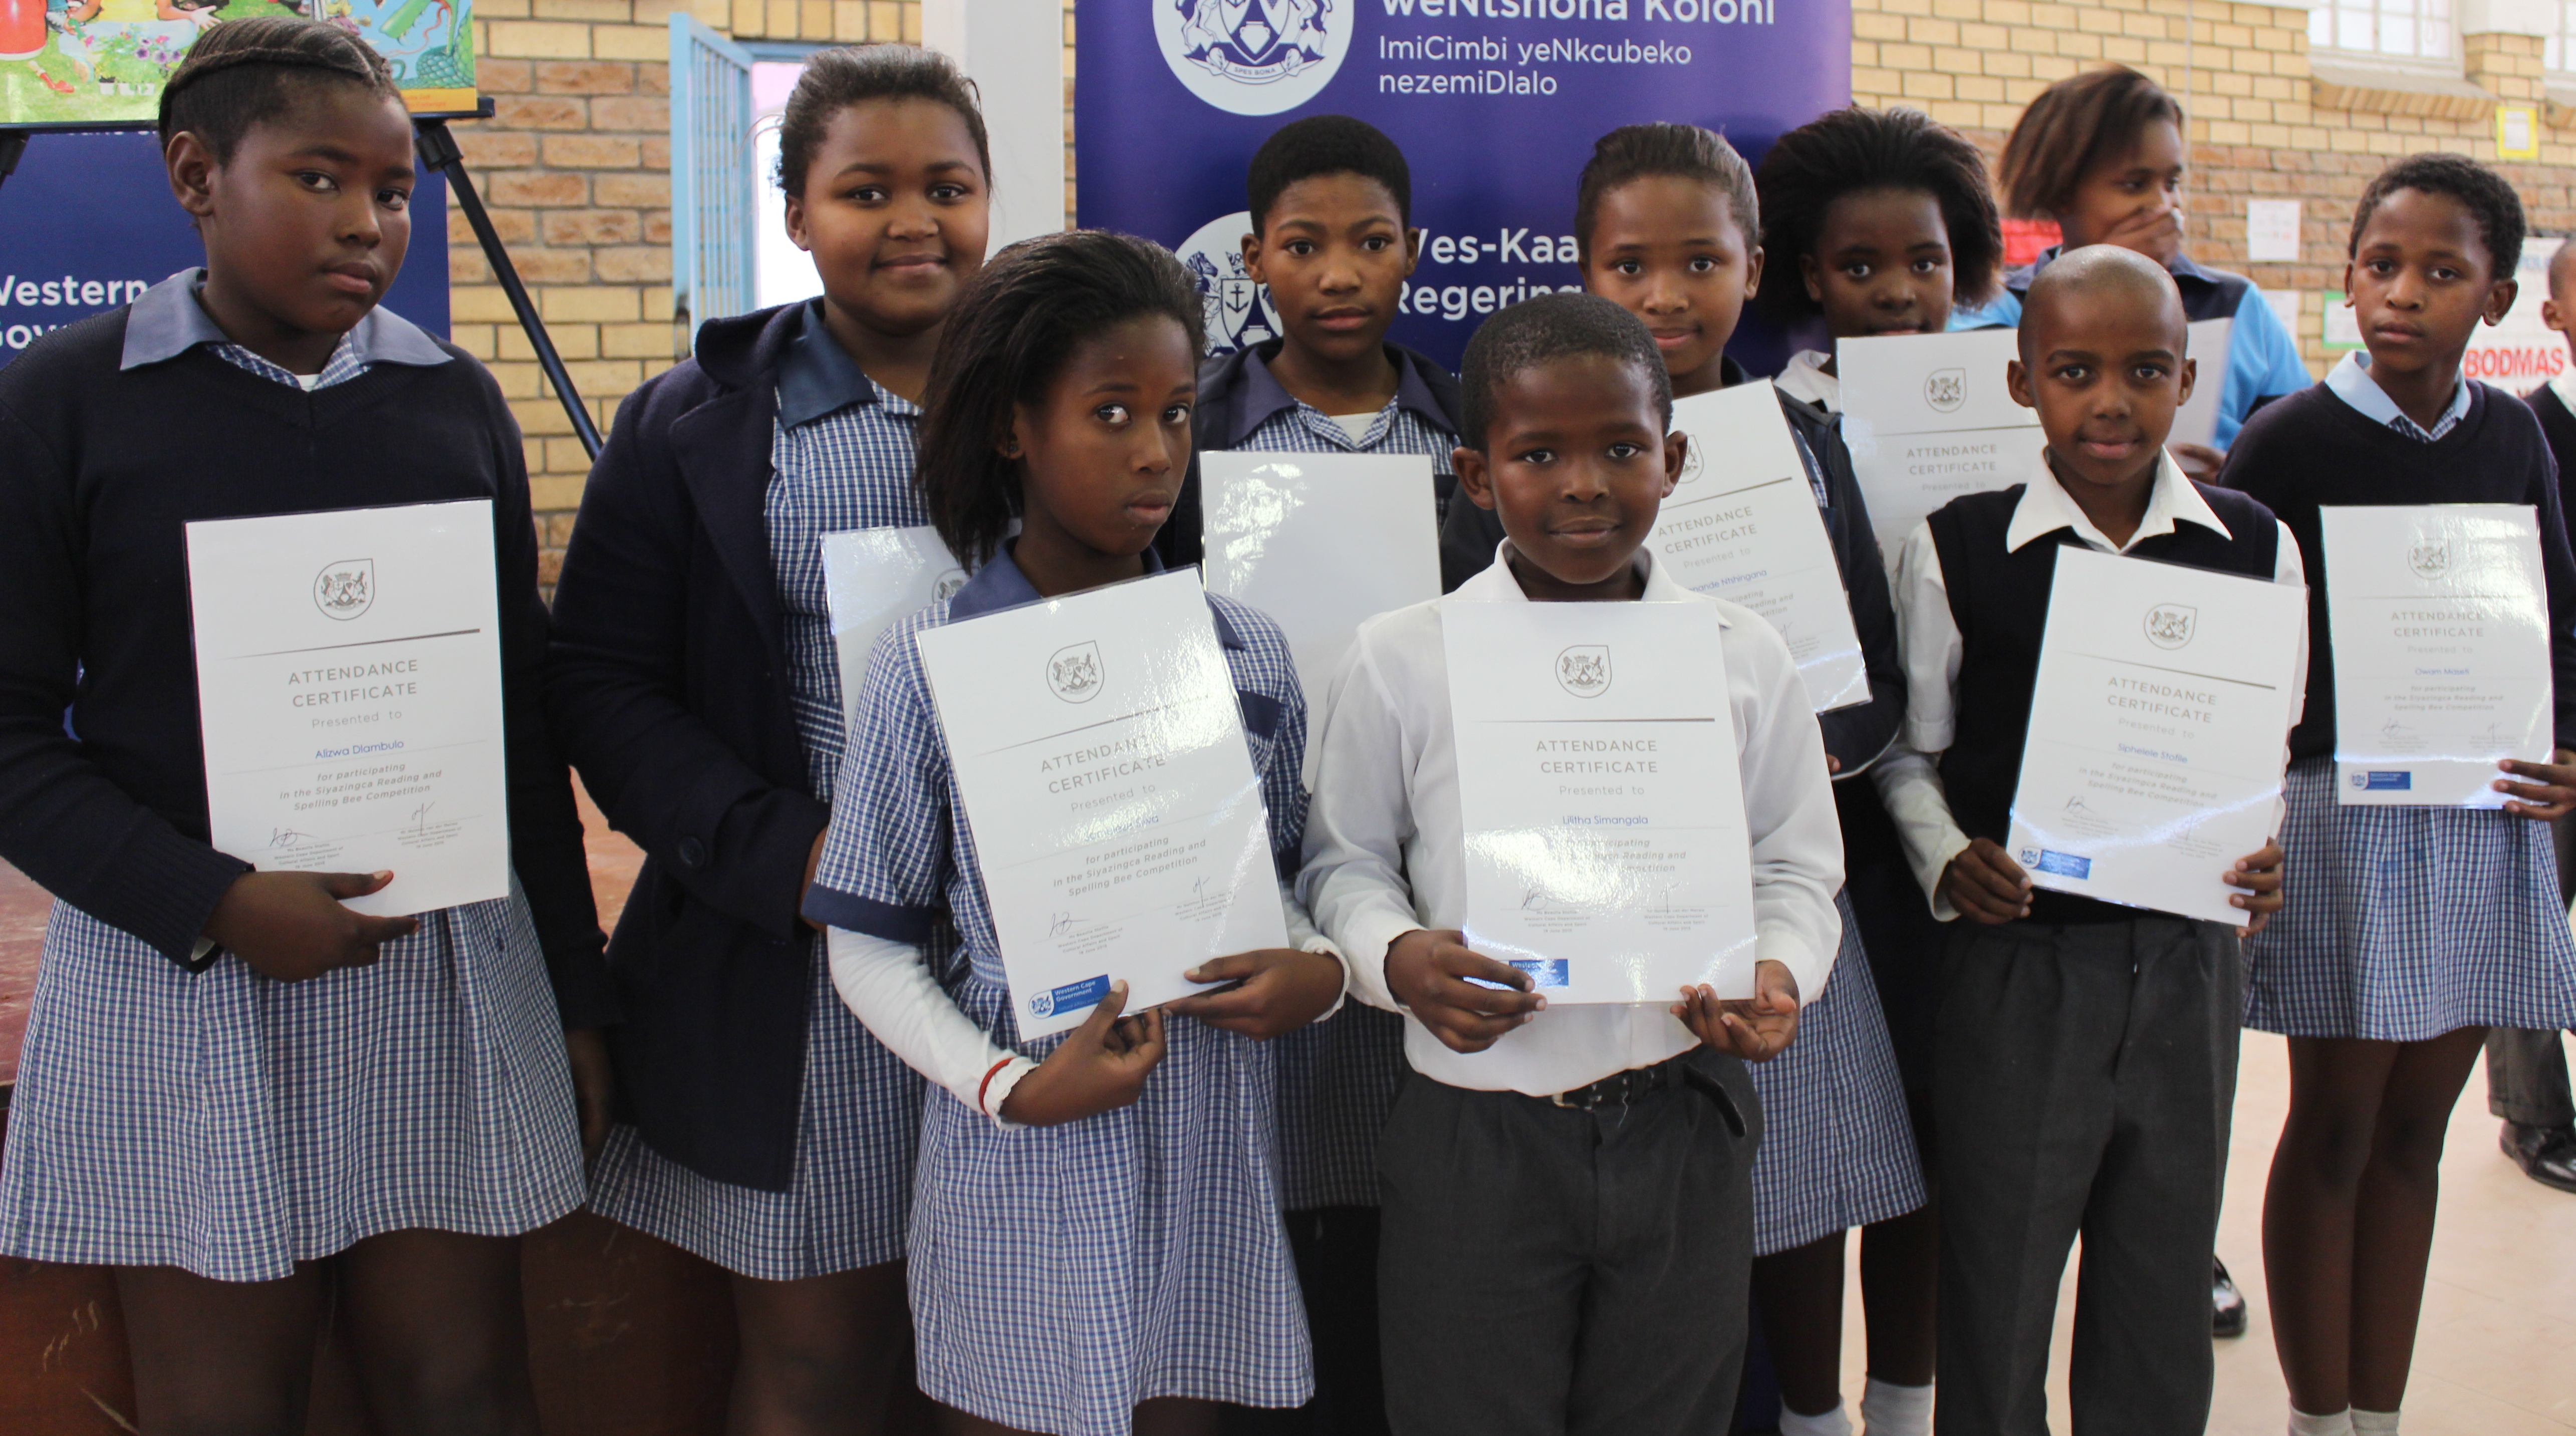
x,y
2547,1155
2227,1314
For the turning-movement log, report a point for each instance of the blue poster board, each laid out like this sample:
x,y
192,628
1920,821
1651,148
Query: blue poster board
x,y
88,222
1496,104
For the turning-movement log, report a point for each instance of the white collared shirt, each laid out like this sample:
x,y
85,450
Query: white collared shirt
x,y
1385,842
2350,381
1927,634
1805,378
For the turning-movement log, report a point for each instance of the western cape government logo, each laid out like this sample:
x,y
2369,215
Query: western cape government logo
x,y
1945,389
1239,311
1584,670
2430,559
1254,57
2170,625
345,589
1074,673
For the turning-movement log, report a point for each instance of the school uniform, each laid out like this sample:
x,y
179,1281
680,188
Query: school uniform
x,y
1838,1149
2085,1056
173,1107
2406,923
2262,361
695,686
1062,1274
1567,1215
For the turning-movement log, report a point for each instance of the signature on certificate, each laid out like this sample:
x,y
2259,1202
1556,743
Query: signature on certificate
x,y
420,815
1539,901
1062,924
288,838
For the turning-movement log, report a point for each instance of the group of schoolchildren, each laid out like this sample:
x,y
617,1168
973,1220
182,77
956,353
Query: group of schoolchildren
x,y
1373,1181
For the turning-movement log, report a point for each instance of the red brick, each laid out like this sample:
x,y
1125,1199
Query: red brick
x,y
592,226
541,187
648,114
639,191
502,77
591,152
585,77
538,265
495,149
540,113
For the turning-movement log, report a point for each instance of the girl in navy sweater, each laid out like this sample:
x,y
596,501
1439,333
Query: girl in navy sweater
x,y
696,687
236,1091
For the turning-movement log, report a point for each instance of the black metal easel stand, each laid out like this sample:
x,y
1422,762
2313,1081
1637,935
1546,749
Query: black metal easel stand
x,y
438,150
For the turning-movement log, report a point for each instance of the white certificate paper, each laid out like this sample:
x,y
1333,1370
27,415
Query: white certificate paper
x,y
874,578
1117,820
1927,418
349,696
2158,731
1606,846
1743,525
1321,543
2196,422
2440,618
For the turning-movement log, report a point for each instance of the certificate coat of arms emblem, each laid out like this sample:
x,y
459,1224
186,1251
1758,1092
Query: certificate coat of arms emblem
x,y
2430,559
2171,625
345,589
1074,673
1945,389
1584,670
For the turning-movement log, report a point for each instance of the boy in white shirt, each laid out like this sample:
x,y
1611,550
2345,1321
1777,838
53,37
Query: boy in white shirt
x,y
1567,1228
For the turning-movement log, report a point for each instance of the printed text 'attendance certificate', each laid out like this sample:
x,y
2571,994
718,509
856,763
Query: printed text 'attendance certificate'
x,y
1928,417
1743,525
349,691
1117,819
2440,618
2158,730
1606,846
1321,543
874,578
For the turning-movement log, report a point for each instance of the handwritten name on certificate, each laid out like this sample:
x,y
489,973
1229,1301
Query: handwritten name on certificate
x,y
874,578
2158,731
349,695
1321,543
1606,847
1927,418
2440,617
1743,524
1117,820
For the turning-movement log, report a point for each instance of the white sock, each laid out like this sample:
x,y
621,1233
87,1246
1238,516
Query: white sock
x,y
2303,1424
2373,1423
1831,1423
1887,1409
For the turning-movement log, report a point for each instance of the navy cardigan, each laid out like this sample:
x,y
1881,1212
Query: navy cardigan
x,y
667,687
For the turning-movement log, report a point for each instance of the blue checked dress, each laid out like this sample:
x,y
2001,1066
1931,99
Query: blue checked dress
x,y
232,1125
1337,1078
1837,1146
2406,923
1060,1275
859,1107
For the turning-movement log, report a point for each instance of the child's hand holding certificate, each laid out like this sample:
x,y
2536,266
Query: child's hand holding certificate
x,y
2157,728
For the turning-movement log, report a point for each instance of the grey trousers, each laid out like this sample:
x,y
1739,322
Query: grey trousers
x,y
2083,1077
1550,1272
2527,1071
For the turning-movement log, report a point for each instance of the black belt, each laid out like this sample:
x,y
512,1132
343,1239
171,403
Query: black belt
x,y
1637,1083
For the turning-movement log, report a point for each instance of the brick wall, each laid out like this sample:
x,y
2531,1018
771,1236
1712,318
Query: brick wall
x,y
2264,124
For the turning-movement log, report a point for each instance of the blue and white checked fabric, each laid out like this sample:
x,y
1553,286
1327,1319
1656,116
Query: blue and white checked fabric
x,y
1062,1274
2406,923
2350,381
346,363
1837,1146
859,1113
233,1125
1305,429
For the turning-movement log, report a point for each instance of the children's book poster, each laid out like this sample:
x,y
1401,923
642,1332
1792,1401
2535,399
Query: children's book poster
x,y
95,63
1496,104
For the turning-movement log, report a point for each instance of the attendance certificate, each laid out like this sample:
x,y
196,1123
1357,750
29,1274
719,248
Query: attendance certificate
x,y
349,698
1321,543
1118,823
1743,524
1607,855
2440,618
1927,418
873,578
2159,726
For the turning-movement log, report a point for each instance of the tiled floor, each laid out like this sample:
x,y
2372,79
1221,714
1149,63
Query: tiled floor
x,y
2498,1352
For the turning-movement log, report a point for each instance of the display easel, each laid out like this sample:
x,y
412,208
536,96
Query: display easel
x,y
438,150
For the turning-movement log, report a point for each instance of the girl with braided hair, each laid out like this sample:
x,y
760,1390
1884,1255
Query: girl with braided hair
x,y
247,1098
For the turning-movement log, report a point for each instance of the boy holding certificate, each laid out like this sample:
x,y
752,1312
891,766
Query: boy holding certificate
x,y
2085,1060
1566,1190
2417,927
